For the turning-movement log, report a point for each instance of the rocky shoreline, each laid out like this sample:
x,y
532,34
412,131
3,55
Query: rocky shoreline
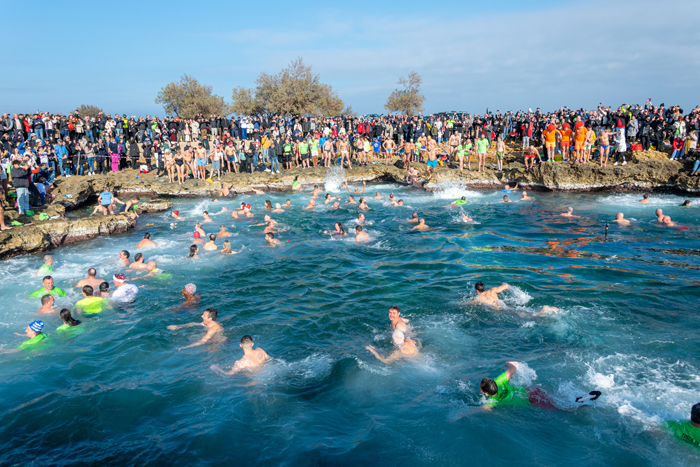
x,y
645,171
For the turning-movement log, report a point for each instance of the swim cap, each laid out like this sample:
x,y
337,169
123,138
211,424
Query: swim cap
x,y
36,326
119,277
566,125
579,124
550,127
177,213
278,205
190,288
397,336
196,234
247,206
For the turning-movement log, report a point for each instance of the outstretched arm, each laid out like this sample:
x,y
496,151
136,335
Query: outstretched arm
x,y
175,327
201,341
391,358
501,288
364,187
511,368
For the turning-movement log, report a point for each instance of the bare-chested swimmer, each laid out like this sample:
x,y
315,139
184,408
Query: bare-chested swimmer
x,y
152,270
377,196
189,293
620,219
252,358
146,241
206,217
90,280
278,208
659,216
215,332
397,322
525,197
329,199
406,348
490,297
569,212
270,238
421,225
360,235
414,218
256,191
351,200
139,262
311,205
364,187
223,232
645,199
211,244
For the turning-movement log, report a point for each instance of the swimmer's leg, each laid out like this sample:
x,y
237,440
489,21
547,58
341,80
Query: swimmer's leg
x,y
547,309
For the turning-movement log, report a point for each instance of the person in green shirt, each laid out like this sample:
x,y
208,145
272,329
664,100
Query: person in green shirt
x,y
69,323
687,430
482,146
47,288
47,267
34,333
304,153
501,391
90,304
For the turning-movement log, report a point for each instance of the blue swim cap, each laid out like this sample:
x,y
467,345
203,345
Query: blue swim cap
x,y
36,326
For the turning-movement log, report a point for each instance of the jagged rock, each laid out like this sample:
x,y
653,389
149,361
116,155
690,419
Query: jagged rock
x,y
38,237
155,205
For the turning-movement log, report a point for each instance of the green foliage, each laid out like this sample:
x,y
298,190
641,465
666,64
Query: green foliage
x,y
408,100
188,98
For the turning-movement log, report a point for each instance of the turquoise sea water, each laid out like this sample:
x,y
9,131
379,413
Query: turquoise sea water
x,y
121,394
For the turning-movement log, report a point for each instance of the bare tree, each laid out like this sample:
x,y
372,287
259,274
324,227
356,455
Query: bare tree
x,y
408,100
88,111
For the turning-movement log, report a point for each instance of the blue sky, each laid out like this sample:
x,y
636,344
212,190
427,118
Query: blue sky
x,y
471,55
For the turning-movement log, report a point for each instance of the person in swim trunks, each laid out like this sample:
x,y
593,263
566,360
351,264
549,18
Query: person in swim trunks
x,y
605,146
252,358
530,153
500,151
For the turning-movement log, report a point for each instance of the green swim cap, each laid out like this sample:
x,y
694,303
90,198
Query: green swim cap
x,y
30,213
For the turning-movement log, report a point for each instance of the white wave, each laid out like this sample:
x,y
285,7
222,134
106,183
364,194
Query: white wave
x,y
525,376
335,178
514,295
454,190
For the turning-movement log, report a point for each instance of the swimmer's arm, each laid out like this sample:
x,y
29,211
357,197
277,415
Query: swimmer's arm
x,y
117,200
201,341
502,287
175,327
238,366
511,368
364,187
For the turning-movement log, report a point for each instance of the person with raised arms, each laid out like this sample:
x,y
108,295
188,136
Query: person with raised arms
x,y
252,358
214,330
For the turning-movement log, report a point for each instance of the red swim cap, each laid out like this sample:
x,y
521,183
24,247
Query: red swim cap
x,y
566,125
196,234
579,124
177,213
247,206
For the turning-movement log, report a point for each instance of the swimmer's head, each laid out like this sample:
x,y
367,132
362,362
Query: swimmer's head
x,y
246,342
695,413
138,256
421,220
147,236
193,250
569,209
394,311
267,217
190,289
336,204
210,313
48,299
480,287
414,215
151,265
47,281
488,387
36,326
328,196
646,195
196,234
205,214
104,287
659,212
400,203
463,198
268,204
124,254
398,337
212,237
91,272
505,198
87,290
361,217
48,259
524,193
176,213
619,215
67,318
269,236
278,205
119,278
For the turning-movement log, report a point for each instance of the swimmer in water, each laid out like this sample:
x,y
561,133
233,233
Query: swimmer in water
x,y
270,227
406,348
686,204
152,269
414,218
278,208
363,204
360,235
146,241
197,237
288,204
33,332
206,217
338,230
270,238
351,200
139,262
620,219
396,321
311,205
47,303
397,203
214,330
124,257
509,188
194,249
176,215
316,190
90,280
461,201
360,218
667,221
490,297
256,191
659,216
364,187
525,197
223,232
687,430
569,212
189,293
645,198
421,225
329,199
225,189
466,218
198,228
500,391
505,199
336,205
47,267
377,196
104,290
252,358
211,245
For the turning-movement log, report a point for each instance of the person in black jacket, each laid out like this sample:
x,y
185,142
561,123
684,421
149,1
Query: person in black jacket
x,y
20,179
134,153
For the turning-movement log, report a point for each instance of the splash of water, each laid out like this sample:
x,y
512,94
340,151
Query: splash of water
x,y
335,177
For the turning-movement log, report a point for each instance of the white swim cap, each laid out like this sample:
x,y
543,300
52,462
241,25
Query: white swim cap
x,y
397,337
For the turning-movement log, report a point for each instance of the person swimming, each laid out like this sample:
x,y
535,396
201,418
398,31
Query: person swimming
x,y
211,245
569,212
146,241
363,204
47,303
47,288
152,269
360,236
377,196
139,262
311,205
421,225
90,304
460,202
69,322
176,215
47,267
490,297
214,330
686,204
395,319
620,219
278,208
406,348
505,199
252,358
338,229
194,249
525,197
33,332
645,198
124,257
414,218
351,200
329,199
90,280
687,430
270,238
